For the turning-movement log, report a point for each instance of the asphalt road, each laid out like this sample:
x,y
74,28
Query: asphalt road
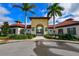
x,y
30,48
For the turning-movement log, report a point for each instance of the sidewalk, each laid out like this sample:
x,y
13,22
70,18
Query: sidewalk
x,y
39,38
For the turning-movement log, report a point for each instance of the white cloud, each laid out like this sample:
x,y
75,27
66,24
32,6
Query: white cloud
x,y
43,10
1,23
4,18
69,8
50,22
45,15
72,8
3,11
76,18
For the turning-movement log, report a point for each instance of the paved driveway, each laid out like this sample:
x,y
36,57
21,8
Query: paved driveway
x,y
29,48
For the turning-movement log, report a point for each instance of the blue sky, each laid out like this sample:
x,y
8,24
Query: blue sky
x,y
16,13
11,14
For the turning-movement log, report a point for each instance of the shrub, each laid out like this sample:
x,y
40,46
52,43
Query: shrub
x,y
67,37
3,35
61,37
33,35
30,36
48,36
27,36
18,37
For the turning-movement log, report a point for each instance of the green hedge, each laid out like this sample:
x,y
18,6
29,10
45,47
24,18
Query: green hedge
x,y
61,37
28,36
67,37
48,36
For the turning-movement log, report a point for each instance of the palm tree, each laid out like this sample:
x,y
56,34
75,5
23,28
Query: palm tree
x,y
53,11
25,7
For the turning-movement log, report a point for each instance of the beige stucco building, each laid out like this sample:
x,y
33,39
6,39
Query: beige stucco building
x,y
39,25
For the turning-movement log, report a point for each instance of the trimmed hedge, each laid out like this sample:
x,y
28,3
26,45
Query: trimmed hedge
x,y
61,37
17,37
28,36
48,36
67,37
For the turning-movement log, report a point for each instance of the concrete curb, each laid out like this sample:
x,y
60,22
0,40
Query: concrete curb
x,y
65,41
45,40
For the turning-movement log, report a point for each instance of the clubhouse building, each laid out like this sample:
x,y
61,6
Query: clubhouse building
x,y
40,26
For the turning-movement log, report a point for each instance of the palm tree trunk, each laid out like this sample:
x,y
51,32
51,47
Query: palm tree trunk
x,y
54,25
25,22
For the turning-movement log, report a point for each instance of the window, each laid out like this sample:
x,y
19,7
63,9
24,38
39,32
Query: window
x,y
45,28
28,30
14,31
60,31
50,30
71,30
33,28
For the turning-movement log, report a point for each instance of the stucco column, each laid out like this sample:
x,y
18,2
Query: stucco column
x,y
17,30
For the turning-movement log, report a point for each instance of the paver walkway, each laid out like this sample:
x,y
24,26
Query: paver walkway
x,y
39,38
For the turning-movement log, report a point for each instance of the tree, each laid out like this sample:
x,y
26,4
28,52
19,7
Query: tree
x,y
53,11
26,7
5,28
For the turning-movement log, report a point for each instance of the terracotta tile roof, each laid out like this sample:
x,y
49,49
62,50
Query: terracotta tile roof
x,y
28,26
20,25
17,25
50,26
68,22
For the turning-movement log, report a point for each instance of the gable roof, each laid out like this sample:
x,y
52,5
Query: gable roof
x,y
20,25
68,22
17,25
50,26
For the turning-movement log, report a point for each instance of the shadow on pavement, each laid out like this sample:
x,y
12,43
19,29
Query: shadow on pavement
x,y
42,50
63,46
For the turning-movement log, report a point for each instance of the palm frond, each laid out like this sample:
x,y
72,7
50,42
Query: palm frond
x,y
17,6
55,10
32,6
60,8
55,4
49,13
27,6
59,13
31,11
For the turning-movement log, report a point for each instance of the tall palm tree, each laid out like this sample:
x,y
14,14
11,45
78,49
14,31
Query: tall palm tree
x,y
26,7
53,11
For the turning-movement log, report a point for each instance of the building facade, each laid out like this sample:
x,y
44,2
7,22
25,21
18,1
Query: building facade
x,y
69,26
39,25
18,28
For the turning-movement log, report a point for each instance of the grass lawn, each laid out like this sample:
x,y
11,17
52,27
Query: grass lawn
x,y
2,42
3,37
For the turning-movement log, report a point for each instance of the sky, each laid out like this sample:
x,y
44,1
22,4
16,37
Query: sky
x,y
10,14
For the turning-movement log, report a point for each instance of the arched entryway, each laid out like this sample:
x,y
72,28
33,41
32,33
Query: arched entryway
x,y
39,29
